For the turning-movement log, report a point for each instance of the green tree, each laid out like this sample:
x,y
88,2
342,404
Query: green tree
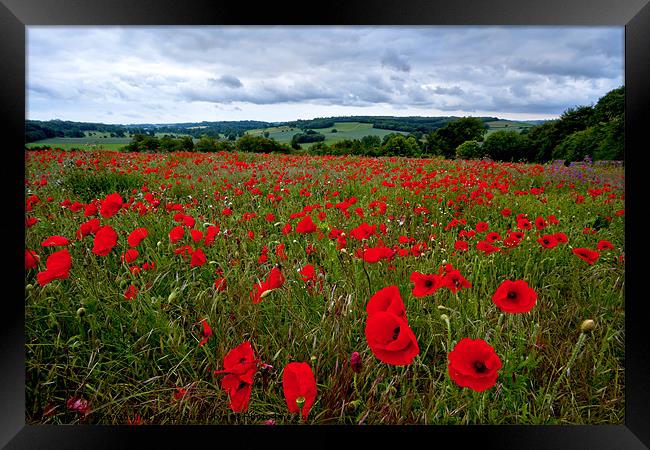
x,y
469,150
187,144
259,144
543,139
574,119
142,143
609,107
399,145
371,142
169,144
445,140
206,144
507,146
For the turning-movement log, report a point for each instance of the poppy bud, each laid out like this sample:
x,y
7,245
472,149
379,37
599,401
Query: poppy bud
x,y
81,312
587,325
266,293
171,297
300,401
355,362
29,287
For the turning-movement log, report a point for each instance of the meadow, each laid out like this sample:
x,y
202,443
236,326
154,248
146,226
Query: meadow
x,y
236,288
344,130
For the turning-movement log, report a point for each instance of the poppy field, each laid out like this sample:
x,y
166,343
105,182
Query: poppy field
x,y
238,288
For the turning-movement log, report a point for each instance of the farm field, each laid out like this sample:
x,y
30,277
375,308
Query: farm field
x,y
345,130
506,125
85,143
232,288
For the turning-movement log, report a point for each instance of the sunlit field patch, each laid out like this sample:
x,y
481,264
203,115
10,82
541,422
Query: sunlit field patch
x,y
235,288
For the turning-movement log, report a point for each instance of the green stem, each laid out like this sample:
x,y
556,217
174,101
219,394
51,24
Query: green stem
x,y
574,355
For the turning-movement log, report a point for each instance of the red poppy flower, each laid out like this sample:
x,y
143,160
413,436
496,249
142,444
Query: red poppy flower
x,y
279,250
189,221
176,234
391,339
376,254
210,234
588,255
482,226
240,366
130,255
130,292
206,332
111,205
239,392
561,238
461,245
524,224
179,393
454,281
511,241
105,240
306,225
30,222
137,236
540,223
220,284
388,300
517,235
90,227
240,361
198,258
90,209
603,244
275,280
308,273
473,363
505,212
514,297
363,231
486,247
57,267
31,259
492,236
299,386
547,241
425,284
286,229
55,241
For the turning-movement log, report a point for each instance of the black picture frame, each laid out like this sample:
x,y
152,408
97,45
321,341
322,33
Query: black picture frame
x,y
15,15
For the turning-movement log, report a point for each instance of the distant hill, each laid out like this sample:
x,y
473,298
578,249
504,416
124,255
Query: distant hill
x,y
38,130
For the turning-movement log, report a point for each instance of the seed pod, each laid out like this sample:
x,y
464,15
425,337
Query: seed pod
x,y
587,325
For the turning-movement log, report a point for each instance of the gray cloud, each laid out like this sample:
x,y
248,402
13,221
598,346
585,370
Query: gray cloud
x,y
226,80
454,90
393,60
271,71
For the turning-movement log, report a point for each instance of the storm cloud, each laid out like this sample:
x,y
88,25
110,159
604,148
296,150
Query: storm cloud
x,y
276,73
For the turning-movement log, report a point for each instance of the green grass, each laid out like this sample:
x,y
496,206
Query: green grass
x,y
507,125
127,357
345,130
86,143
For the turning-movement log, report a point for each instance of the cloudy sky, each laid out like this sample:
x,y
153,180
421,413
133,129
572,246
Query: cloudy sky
x,y
187,74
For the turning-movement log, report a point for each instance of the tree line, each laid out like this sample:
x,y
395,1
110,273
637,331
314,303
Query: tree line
x,y
596,131
247,143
